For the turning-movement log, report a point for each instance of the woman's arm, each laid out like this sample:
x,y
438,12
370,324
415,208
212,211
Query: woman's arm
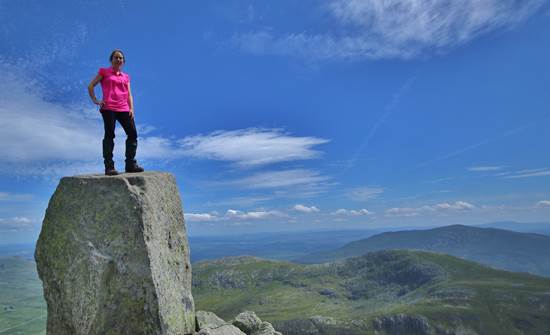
x,y
130,101
91,92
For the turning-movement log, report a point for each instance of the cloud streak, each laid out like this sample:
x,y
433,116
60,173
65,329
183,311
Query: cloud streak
x,y
364,193
234,215
529,173
352,212
6,196
485,168
251,147
441,208
16,224
406,29
305,209
281,179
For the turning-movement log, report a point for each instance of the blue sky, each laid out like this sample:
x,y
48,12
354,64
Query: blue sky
x,y
288,115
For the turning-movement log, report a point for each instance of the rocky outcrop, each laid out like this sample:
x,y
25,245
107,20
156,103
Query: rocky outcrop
x,y
113,257
402,324
251,324
210,324
246,323
321,325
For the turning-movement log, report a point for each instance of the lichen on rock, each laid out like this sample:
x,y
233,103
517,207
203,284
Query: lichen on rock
x,y
113,256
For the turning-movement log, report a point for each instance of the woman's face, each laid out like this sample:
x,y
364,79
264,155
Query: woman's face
x,y
118,60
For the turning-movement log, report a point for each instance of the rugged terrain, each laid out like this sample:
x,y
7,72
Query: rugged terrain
x,y
391,292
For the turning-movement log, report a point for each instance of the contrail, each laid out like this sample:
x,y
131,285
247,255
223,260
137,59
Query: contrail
x,y
475,145
388,109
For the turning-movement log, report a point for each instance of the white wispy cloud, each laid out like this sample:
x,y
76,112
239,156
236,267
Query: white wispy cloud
x,y
440,180
529,173
34,129
234,214
305,209
201,217
352,212
251,147
7,196
242,201
281,179
485,168
457,206
375,29
16,224
253,215
364,193
403,211
543,204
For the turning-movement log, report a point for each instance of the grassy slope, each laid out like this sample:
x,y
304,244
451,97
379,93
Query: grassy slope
x,y
530,252
22,306
450,292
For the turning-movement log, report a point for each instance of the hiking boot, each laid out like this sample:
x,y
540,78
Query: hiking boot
x,y
133,167
110,170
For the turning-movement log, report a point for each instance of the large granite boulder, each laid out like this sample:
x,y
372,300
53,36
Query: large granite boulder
x,y
114,258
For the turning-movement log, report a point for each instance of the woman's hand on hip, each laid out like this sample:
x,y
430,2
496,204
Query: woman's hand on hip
x,y
100,103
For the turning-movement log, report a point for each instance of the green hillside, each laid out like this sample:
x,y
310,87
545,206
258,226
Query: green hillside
x,y
407,292
503,249
392,292
22,306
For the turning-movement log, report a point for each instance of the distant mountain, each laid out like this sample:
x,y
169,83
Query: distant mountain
x,y
25,250
537,227
282,246
520,252
385,292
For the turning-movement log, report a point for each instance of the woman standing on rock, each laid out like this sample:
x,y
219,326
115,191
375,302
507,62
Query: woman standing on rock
x,y
117,105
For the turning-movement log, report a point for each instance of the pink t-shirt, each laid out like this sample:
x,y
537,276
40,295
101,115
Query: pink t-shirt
x,y
115,90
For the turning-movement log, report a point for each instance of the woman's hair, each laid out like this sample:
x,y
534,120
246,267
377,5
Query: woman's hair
x,y
113,54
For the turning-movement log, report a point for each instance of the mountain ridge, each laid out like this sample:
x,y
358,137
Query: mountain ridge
x,y
504,249
386,289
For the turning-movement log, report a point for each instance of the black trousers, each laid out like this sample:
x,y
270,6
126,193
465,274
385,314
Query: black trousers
x,y
109,122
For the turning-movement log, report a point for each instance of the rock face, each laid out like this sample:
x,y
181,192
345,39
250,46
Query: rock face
x,y
114,258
